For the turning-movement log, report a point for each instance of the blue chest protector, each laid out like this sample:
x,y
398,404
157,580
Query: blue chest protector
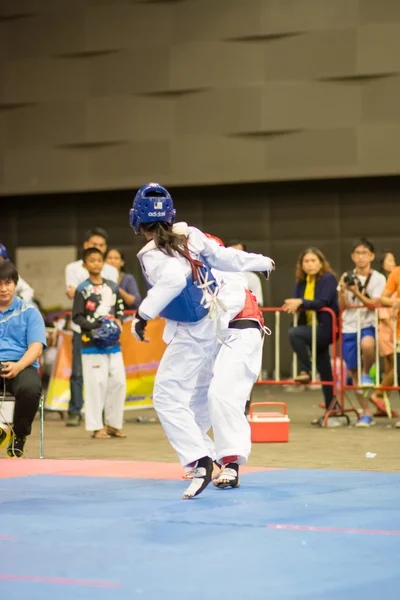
x,y
187,307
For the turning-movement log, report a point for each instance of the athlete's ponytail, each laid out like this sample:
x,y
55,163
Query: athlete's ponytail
x,y
165,239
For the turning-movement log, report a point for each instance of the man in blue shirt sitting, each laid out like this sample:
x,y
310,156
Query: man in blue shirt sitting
x,y
22,339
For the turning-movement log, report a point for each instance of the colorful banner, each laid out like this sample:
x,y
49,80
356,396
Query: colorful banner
x,y
141,363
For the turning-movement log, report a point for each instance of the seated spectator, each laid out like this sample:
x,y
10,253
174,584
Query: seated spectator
x,y
253,280
315,289
128,287
103,366
22,339
391,298
75,274
23,290
361,286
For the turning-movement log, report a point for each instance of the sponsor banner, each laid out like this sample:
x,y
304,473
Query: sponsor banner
x,y
141,363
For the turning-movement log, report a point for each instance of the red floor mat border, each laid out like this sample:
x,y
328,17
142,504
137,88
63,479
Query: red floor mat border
x,y
99,468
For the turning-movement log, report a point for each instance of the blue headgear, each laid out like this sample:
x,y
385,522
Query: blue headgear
x,y
152,204
3,252
107,335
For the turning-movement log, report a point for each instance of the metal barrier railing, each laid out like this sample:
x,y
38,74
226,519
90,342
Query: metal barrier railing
x,y
337,380
343,386
338,404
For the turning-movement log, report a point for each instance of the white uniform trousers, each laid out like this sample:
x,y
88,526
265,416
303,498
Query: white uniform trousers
x,y
235,371
199,405
105,390
191,351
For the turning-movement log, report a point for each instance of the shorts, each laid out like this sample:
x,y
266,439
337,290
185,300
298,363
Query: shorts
x,y
349,346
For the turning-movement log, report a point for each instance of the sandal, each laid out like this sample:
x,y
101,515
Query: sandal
x,y
380,405
101,434
303,378
112,432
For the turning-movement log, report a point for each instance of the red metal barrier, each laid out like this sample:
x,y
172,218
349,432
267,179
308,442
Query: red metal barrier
x,y
343,385
336,334
332,411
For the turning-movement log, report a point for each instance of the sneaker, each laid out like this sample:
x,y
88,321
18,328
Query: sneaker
x,y
367,381
73,420
201,477
365,421
4,435
15,447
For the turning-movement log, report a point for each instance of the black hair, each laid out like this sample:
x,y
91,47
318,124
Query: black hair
x,y
363,242
165,238
89,251
122,255
96,231
8,271
381,259
236,243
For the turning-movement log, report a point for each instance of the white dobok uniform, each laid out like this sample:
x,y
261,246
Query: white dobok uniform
x,y
221,394
191,346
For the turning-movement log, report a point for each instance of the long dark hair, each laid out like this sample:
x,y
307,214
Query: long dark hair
x,y
381,260
165,239
325,266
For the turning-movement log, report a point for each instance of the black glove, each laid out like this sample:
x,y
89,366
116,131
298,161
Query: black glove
x,y
138,328
268,273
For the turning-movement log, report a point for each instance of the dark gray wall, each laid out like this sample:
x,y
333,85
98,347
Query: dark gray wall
x,y
279,220
103,93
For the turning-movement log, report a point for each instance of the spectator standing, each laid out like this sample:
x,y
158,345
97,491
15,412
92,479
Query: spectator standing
x,y
315,289
75,274
128,288
22,339
361,286
387,325
387,262
391,298
23,289
253,280
103,366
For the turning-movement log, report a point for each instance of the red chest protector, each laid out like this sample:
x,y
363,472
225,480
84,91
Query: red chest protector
x,y
251,310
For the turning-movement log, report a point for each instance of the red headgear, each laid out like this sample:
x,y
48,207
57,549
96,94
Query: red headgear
x,y
215,238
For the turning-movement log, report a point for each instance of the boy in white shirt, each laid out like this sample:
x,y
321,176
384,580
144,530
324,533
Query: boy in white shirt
x,y
362,286
75,274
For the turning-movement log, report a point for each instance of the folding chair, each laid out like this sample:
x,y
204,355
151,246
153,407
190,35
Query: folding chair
x,y
10,398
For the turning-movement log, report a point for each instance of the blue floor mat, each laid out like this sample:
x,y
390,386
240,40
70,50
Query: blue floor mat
x,y
90,538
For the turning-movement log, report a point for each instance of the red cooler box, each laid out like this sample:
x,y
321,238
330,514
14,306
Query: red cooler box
x,y
269,426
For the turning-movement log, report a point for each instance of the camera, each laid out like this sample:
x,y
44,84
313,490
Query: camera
x,y
350,279
1,368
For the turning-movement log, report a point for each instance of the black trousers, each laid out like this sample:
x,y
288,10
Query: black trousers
x,y
76,380
300,340
27,389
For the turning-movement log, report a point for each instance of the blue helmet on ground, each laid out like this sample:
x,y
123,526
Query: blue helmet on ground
x,y
152,204
107,335
3,252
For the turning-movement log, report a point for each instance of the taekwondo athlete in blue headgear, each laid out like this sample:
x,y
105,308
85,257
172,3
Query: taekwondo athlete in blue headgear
x,y
176,263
